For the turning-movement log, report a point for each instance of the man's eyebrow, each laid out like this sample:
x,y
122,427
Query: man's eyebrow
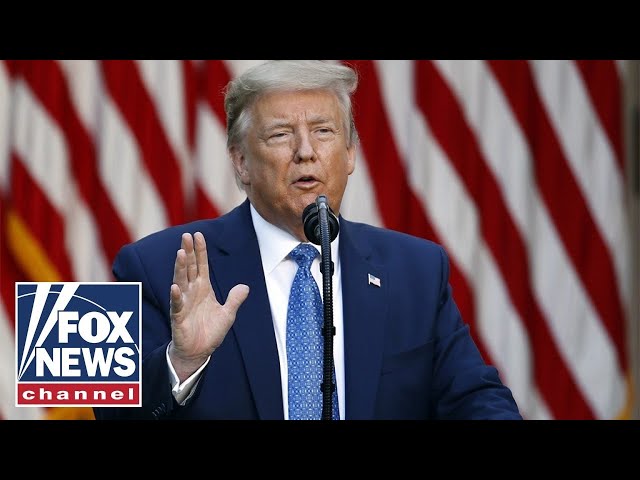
x,y
278,123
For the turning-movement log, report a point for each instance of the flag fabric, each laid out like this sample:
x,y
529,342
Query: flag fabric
x,y
516,167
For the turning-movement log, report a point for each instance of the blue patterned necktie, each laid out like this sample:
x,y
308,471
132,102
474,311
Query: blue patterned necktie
x,y
305,344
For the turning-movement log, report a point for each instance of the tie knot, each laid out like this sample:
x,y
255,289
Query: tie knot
x,y
304,254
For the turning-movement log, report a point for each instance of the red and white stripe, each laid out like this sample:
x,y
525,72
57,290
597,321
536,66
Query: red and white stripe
x,y
515,167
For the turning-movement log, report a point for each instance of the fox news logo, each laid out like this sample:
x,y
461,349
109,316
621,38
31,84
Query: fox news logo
x,y
78,344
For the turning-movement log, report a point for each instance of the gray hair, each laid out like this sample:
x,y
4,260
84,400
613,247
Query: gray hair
x,y
244,90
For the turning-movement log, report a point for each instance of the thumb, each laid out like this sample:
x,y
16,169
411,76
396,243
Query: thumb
x,y
236,297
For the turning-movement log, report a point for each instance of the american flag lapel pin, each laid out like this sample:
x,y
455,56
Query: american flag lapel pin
x,y
373,280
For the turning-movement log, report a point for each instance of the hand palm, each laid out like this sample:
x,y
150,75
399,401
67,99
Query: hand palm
x,y
199,322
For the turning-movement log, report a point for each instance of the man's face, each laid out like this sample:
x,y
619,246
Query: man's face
x,y
295,149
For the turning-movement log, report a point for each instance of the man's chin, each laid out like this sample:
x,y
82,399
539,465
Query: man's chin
x,y
310,197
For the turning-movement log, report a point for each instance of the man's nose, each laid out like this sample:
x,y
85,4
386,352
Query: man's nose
x,y
304,147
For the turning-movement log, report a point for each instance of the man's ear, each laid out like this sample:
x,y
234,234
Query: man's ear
x,y
239,164
351,158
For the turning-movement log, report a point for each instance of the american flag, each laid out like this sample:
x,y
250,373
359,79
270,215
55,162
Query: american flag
x,y
516,167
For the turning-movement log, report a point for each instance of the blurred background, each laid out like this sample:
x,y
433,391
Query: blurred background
x,y
525,171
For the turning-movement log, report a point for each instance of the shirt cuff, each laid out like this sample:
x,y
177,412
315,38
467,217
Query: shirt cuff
x,y
182,392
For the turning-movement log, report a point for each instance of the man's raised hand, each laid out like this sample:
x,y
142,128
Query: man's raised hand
x,y
199,322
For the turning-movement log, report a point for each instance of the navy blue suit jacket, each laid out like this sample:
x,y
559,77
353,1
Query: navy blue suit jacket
x,y
407,352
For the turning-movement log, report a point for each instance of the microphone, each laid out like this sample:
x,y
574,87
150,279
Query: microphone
x,y
311,220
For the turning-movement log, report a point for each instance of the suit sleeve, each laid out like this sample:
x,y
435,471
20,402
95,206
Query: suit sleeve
x,y
465,386
157,399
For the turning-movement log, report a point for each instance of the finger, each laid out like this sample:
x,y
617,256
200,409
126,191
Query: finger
x,y
180,270
192,267
202,259
237,296
175,300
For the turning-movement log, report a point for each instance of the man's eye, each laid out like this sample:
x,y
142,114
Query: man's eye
x,y
276,136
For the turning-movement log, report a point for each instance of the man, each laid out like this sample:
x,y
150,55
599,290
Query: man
x,y
218,323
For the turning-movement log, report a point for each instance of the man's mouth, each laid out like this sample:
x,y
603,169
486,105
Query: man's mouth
x,y
306,180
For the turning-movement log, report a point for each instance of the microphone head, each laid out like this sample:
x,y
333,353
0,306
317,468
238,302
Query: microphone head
x,y
311,222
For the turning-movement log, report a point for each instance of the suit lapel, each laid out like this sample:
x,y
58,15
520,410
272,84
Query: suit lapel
x,y
235,258
365,309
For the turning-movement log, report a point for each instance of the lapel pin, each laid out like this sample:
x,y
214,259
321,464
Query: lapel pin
x,y
374,280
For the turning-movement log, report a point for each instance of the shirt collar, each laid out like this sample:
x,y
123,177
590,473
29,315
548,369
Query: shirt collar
x,y
275,243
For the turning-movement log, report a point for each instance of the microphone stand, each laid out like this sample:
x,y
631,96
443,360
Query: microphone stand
x,y
328,330
321,227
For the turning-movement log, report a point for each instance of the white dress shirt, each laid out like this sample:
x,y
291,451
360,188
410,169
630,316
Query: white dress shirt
x,y
279,271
